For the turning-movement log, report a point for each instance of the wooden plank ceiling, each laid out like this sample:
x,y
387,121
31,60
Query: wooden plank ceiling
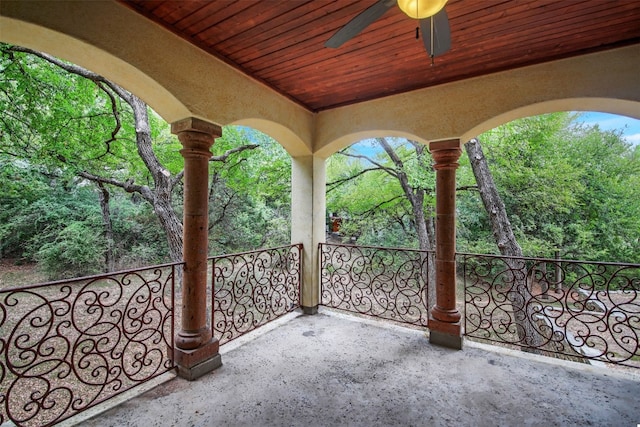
x,y
281,42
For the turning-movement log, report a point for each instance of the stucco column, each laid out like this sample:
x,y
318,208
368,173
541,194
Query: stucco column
x,y
196,351
444,319
308,208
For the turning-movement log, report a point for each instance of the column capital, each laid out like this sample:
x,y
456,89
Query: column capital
x,y
445,144
194,124
446,153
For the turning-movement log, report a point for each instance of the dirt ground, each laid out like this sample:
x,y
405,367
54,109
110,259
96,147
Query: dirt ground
x,y
13,273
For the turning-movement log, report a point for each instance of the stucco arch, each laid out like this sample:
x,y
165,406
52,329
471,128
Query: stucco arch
x,y
97,60
286,137
604,105
175,78
346,140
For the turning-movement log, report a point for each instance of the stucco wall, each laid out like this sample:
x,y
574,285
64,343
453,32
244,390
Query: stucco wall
x,y
606,81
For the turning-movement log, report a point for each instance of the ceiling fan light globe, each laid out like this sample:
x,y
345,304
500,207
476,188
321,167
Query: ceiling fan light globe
x,y
420,9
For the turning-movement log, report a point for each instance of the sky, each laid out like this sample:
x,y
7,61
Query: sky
x,y
630,127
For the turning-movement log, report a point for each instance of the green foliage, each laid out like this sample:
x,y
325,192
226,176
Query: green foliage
x,y
566,186
57,226
250,196
73,252
138,237
56,126
370,200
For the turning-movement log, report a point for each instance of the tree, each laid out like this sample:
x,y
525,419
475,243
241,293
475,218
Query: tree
x,y
550,191
250,193
520,292
566,187
87,129
397,186
404,177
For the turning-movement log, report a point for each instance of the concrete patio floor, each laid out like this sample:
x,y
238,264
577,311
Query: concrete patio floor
x,y
334,370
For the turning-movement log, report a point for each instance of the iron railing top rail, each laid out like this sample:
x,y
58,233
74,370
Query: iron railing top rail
x,y
385,248
553,260
254,251
92,277
528,258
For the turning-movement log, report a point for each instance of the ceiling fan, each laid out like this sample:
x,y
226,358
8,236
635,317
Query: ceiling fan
x,y
434,23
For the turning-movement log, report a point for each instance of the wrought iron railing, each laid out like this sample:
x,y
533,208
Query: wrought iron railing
x,y
66,346
254,288
582,310
380,282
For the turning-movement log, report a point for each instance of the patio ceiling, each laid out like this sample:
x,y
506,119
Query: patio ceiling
x,y
281,43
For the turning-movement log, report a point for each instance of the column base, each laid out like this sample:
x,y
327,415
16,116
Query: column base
x,y
445,334
200,369
310,310
193,364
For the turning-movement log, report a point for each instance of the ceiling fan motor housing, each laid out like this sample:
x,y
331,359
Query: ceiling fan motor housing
x,y
421,9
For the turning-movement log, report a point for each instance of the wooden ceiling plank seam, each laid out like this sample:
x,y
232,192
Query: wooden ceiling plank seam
x,y
183,11
315,44
547,19
252,33
320,52
232,24
212,15
267,34
282,59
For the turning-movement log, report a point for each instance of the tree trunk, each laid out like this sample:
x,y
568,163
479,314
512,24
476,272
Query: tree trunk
x,y
520,294
160,198
425,234
171,224
107,226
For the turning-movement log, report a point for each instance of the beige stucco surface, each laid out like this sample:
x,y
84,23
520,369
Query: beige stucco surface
x,y
606,81
308,208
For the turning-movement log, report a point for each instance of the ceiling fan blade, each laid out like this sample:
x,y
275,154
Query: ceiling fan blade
x,y
359,23
441,33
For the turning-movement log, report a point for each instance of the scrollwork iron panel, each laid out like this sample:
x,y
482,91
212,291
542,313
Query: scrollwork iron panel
x,y
254,288
68,345
580,310
379,282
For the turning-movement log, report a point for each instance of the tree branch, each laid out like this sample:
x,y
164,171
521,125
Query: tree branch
x,y
223,212
116,116
75,69
127,186
370,160
337,183
372,210
223,157
468,188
